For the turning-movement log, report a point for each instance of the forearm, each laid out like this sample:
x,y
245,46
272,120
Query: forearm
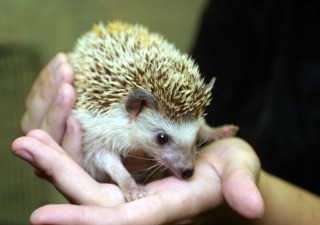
x,y
286,203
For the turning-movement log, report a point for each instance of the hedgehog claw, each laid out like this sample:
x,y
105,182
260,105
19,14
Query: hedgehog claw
x,y
134,194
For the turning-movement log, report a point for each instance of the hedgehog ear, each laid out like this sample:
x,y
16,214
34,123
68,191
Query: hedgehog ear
x,y
139,99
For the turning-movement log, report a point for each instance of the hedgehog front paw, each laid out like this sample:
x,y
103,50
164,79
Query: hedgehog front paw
x,y
216,133
134,194
225,131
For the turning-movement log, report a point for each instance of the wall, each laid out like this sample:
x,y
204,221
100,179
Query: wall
x,y
54,25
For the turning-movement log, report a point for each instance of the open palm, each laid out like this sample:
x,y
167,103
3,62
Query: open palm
x,y
225,171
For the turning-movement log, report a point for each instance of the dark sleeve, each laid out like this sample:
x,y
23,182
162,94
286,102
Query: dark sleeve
x,y
266,57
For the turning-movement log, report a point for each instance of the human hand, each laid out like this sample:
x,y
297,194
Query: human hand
x,y
226,171
50,101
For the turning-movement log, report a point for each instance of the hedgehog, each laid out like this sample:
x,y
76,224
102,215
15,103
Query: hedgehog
x,y
138,98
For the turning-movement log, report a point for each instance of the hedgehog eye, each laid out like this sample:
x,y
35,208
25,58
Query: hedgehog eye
x,y
162,138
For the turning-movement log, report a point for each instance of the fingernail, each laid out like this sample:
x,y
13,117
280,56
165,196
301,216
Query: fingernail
x,y
59,97
24,155
56,61
58,68
57,77
64,70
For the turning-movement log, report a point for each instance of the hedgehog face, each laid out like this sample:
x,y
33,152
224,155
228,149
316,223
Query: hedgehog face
x,y
176,148
170,143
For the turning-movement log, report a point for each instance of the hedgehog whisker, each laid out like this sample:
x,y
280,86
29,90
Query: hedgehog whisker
x,y
200,145
137,157
147,169
164,169
158,166
199,152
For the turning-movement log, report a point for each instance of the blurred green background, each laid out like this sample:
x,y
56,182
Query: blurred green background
x,y
32,32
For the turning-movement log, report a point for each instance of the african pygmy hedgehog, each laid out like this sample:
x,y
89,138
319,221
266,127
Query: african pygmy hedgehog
x,y
137,97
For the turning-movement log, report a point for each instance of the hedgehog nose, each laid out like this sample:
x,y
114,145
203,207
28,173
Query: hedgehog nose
x,y
187,173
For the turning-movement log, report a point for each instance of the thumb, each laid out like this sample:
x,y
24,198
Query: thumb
x,y
239,169
241,193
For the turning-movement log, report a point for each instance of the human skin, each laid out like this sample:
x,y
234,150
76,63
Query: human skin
x,y
170,200
227,172
286,203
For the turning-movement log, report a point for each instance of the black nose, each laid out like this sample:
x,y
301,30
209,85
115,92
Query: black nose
x,y
187,174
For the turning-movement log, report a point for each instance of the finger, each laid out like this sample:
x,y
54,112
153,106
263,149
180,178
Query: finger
x,y
239,168
75,214
245,198
169,200
132,213
68,177
54,121
71,142
43,91
49,72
